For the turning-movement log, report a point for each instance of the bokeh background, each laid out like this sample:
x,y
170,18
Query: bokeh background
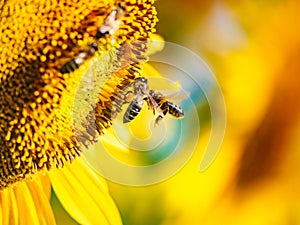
x,y
253,47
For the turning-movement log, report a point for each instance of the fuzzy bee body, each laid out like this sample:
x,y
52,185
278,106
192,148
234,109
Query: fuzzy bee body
x,y
165,106
110,25
175,110
140,87
74,63
133,110
112,22
155,101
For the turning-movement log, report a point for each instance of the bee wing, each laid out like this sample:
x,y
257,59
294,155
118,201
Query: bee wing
x,y
174,92
175,96
155,106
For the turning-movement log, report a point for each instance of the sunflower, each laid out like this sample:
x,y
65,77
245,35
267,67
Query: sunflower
x,y
42,43
79,189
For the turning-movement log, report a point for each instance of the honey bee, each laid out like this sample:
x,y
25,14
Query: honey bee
x,y
83,55
155,101
140,87
109,27
164,105
112,22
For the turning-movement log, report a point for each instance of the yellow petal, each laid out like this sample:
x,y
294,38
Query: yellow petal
x,y
157,81
45,182
84,195
5,201
33,204
26,206
156,44
41,201
149,70
2,207
9,210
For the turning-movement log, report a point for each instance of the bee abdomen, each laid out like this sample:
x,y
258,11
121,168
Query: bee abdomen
x,y
74,64
69,67
132,111
175,110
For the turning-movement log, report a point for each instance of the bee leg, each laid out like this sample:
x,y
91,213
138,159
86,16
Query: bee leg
x,y
160,117
146,99
157,120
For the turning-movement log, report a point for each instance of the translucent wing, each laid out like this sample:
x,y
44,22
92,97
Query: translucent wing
x,y
175,96
155,106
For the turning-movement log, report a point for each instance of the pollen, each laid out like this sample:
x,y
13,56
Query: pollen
x,y
36,113
43,58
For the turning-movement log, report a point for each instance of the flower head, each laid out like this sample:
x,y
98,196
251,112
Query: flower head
x,y
42,43
37,39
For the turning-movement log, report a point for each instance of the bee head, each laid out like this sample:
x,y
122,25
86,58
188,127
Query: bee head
x,y
141,79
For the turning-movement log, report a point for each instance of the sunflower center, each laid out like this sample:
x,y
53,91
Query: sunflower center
x,y
38,38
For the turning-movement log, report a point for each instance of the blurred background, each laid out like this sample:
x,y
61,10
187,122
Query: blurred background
x,y
253,48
